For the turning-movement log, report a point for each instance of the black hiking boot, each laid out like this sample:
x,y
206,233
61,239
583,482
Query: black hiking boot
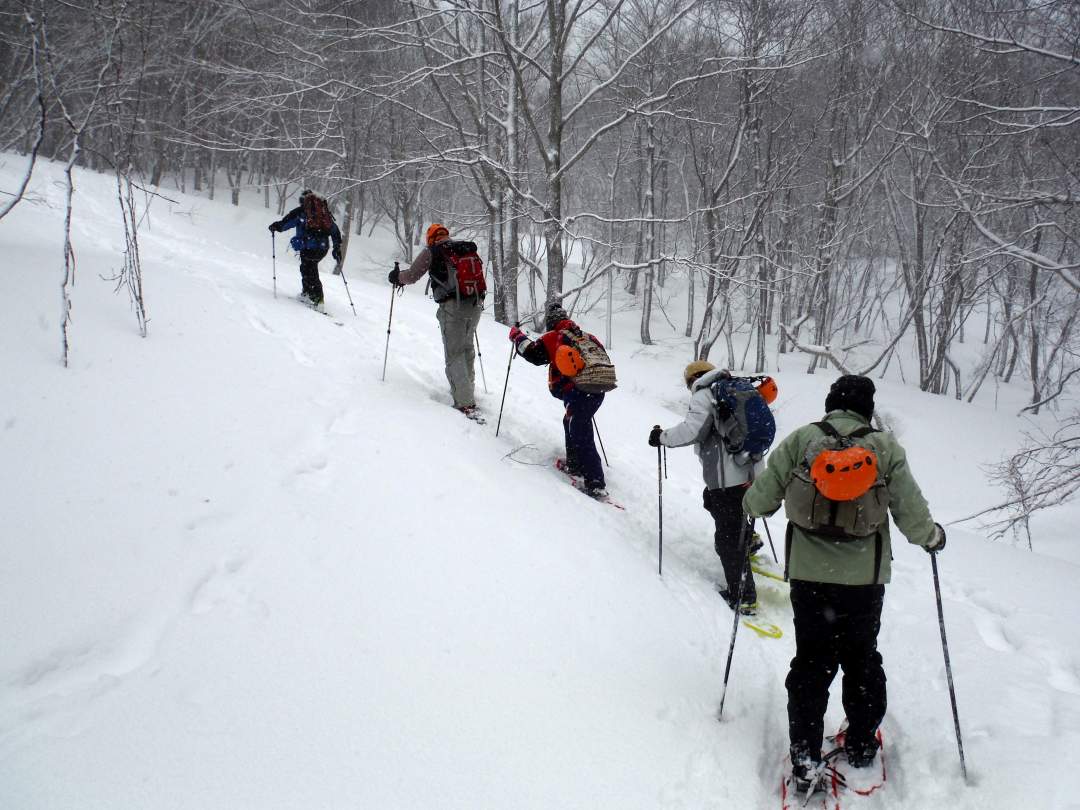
x,y
860,753
807,771
747,608
568,467
596,489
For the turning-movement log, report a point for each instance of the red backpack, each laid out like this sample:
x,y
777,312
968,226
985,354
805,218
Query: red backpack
x,y
464,275
317,218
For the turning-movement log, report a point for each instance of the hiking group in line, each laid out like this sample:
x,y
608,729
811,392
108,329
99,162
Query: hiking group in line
x,y
838,480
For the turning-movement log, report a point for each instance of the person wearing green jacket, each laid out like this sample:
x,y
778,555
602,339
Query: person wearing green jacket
x,y
838,578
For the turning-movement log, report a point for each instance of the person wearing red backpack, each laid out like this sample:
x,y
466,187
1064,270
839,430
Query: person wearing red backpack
x,y
457,281
315,227
581,406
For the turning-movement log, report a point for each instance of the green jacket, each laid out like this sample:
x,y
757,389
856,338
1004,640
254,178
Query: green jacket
x,y
844,562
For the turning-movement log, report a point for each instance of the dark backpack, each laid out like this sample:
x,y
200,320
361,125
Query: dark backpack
x,y
462,271
745,415
317,218
585,361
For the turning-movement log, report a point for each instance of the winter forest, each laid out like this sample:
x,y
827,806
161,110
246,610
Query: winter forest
x,y
842,176
250,558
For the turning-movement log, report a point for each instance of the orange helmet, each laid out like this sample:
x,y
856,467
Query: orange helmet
x,y
568,361
768,390
844,475
436,232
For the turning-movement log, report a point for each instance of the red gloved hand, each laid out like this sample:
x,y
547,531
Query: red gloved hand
x,y
516,334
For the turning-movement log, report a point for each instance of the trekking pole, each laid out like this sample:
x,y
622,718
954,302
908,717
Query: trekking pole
x,y
771,546
513,351
665,459
744,537
602,450
480,358
386,353
948,666
345,281
660,497
273,258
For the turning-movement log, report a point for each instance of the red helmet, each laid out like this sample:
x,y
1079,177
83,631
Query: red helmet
x,y
767,388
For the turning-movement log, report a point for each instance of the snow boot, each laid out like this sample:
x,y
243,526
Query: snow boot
x,y
860,753
808,778
745,609
596,490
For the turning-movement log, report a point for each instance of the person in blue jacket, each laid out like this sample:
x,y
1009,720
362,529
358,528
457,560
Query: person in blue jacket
x,y
312,245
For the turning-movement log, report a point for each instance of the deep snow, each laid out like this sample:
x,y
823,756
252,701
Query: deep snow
x,y
238,571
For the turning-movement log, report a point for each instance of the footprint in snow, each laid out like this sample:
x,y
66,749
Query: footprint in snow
x,y
992,632
220,589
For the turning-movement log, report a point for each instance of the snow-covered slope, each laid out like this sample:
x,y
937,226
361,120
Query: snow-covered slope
x,y
239,571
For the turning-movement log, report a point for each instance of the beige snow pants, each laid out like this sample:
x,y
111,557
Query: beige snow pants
x,y
457,322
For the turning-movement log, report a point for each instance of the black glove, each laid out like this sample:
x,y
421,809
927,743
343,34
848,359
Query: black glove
x,y
654,436
939,541
336,253
274,227
393,278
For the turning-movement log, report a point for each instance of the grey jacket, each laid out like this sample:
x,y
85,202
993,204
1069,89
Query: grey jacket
x,y
419,267
720,468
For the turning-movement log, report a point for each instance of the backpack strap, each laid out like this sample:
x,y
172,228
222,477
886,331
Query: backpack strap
x,y
828,429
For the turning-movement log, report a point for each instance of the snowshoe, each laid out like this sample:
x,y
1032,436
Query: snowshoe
x,y
567,467
747,608
809,778
471,412
859,765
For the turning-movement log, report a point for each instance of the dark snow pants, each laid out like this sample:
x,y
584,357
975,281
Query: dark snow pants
x,y
581,455
729,539
309,274
836,626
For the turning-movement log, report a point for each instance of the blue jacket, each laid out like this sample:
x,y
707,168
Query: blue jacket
x,y
303,240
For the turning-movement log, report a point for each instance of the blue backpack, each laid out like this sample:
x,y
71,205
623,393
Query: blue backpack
x,y
744,413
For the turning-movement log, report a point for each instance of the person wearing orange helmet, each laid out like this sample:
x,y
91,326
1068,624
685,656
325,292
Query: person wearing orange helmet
x,y
457,283
839,479
726,478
